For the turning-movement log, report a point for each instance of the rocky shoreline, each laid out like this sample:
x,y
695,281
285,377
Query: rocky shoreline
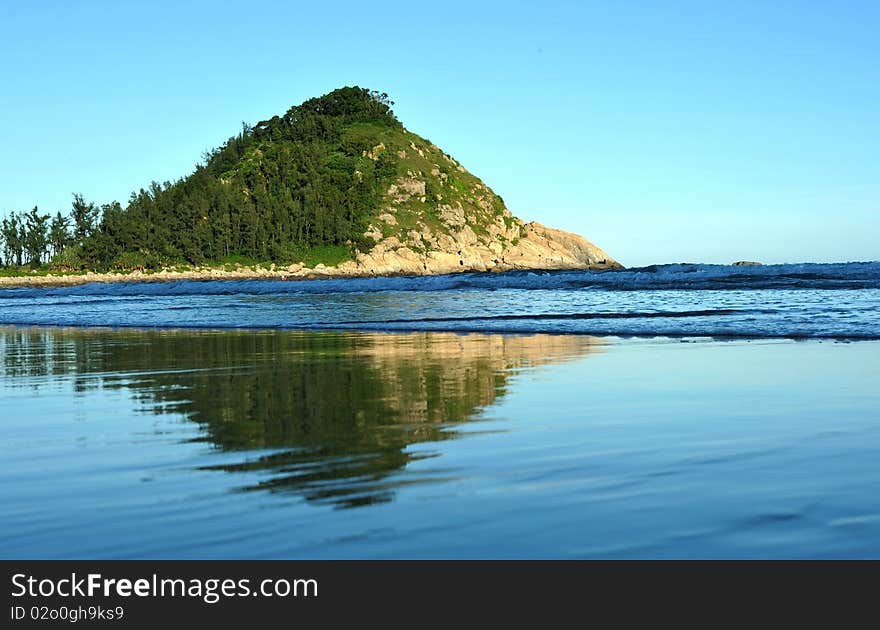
x,y
540,248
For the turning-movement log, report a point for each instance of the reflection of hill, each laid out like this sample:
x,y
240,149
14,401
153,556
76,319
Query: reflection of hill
x,y
339,409
446,377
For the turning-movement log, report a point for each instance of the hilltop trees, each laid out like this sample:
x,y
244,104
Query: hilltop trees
x,y
273,191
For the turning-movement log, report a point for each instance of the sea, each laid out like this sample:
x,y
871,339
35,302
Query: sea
x,y
670,411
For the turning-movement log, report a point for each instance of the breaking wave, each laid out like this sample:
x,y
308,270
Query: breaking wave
x,y
696,277
838,301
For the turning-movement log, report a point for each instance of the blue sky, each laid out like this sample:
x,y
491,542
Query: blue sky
x,y
662,131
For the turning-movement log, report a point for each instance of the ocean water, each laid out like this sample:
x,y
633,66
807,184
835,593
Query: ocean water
x,y
779,301
696,412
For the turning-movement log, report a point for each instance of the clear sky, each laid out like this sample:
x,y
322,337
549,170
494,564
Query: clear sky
x,y
663,131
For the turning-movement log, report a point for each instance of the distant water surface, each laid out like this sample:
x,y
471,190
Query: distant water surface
x,y
331,444
831,301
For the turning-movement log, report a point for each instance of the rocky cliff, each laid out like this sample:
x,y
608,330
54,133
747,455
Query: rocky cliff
x,y
438,218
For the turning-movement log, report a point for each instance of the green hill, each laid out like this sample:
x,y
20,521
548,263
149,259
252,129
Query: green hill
x,y
335,179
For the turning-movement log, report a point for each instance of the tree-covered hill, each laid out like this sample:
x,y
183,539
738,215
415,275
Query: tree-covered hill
x,y
336,178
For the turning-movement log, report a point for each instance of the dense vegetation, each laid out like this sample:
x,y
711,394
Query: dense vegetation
x,y
302,186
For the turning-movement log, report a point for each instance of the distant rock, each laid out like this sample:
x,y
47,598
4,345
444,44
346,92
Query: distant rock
x,y
746,263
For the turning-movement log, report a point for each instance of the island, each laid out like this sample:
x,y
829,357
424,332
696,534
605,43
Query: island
x,y
335,187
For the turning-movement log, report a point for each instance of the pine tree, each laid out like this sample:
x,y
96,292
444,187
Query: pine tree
x,y
59,234
85,218
13,239
36,240
7,235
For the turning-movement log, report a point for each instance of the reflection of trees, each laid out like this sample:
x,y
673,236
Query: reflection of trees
x,y
338,410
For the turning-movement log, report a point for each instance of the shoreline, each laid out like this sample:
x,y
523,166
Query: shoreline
x,y
90,277
293,272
